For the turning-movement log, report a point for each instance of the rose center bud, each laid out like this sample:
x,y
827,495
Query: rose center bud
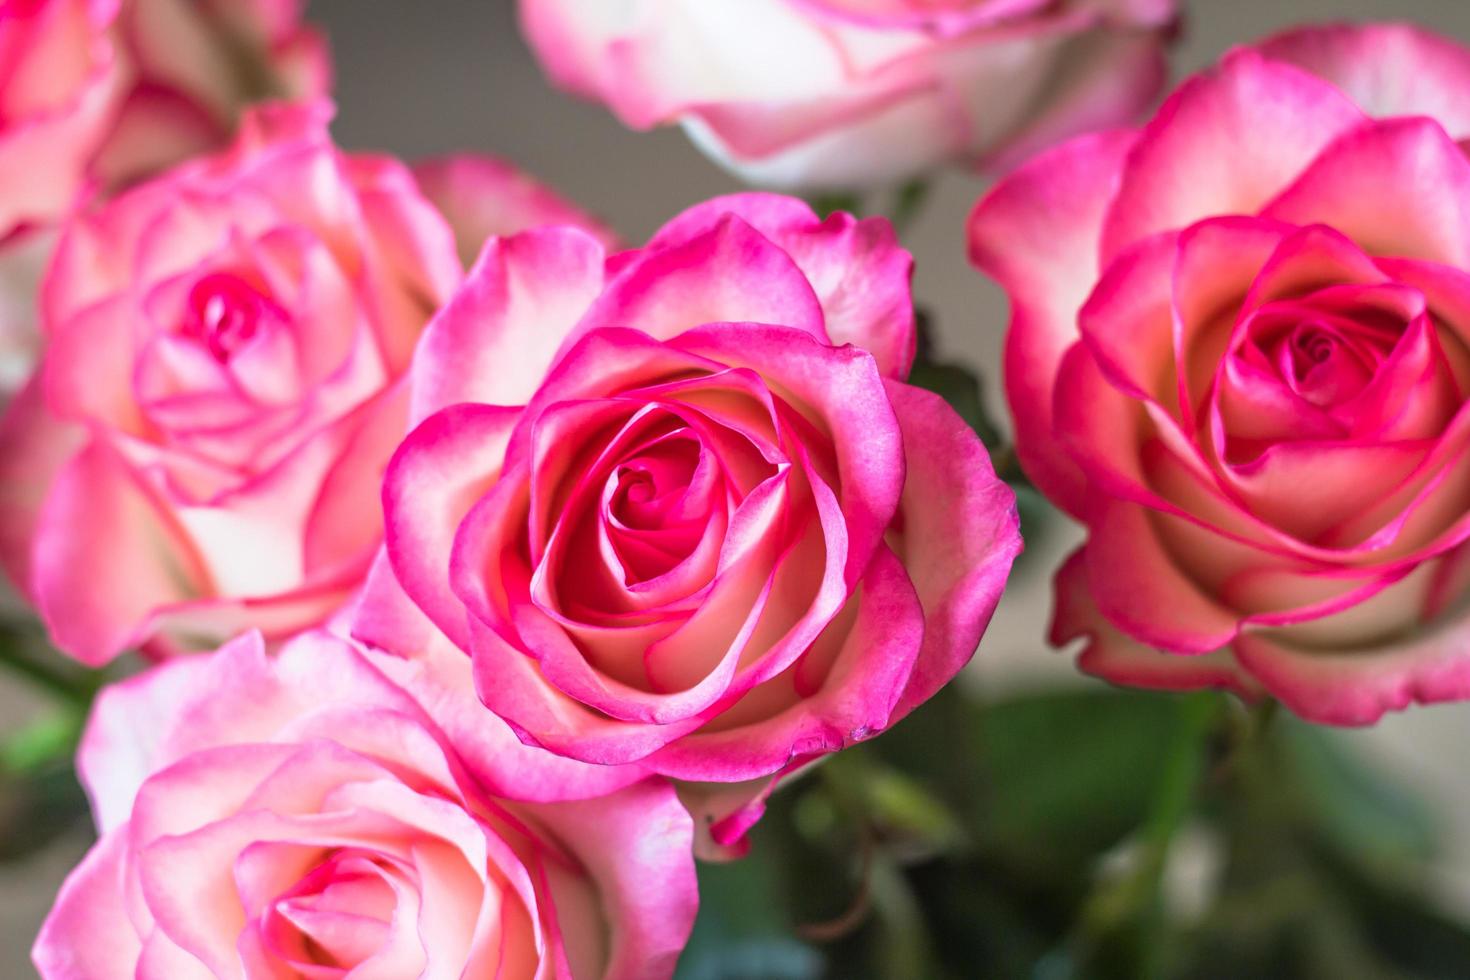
x,y
224,313
1313,346
302,927
1326,358
650,487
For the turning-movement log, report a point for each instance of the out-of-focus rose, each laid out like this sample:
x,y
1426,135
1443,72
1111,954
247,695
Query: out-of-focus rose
x,y
193,66
849,94
97,93
302,815
483,197
60,85
1241,355
722,537
201,448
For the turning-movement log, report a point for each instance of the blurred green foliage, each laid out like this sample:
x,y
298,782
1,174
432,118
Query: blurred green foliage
x,y
40,798
1033,838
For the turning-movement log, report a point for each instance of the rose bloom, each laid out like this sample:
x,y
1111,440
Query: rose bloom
x,y
723,537
852,94
224,384
1240,355
201,447
303,816
96,93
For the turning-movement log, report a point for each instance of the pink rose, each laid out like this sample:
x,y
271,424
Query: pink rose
x,y
856,93
201,449
302,815
1240,355
722,537
96,93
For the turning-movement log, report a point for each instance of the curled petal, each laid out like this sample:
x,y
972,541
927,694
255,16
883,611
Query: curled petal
x,y
858,269
1225,142
497,338
728,273
1408,168
436,476
959,532
1114,656
1037,234
97,505
1358,687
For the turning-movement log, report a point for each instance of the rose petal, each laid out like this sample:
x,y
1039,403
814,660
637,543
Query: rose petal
x,y
858,269
1225,142
958,533
1115,657
1037,233
497,338
1393,69
1409,168
88,933
434,479
95,610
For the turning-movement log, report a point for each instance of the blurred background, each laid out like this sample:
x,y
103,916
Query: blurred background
x,y
435,76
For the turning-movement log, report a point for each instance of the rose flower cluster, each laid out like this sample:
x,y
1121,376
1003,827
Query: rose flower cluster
x,y
487,570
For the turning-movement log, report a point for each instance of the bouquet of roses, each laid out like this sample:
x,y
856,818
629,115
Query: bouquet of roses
x,y
451,588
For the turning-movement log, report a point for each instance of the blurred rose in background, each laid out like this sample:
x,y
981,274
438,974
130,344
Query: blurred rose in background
x,y
851,94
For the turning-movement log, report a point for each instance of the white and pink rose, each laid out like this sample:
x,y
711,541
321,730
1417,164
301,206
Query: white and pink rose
x,y
850,94
302,815
95,94
224,382
678,504
1240,355
200,449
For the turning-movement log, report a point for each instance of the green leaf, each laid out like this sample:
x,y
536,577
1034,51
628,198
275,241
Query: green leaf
x,y
1070,775
50,739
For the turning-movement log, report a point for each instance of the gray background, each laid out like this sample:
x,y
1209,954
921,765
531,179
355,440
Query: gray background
x,y
433,76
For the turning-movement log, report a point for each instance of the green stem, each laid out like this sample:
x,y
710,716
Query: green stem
x,y
63,684
1185,770
25,654
1135,903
